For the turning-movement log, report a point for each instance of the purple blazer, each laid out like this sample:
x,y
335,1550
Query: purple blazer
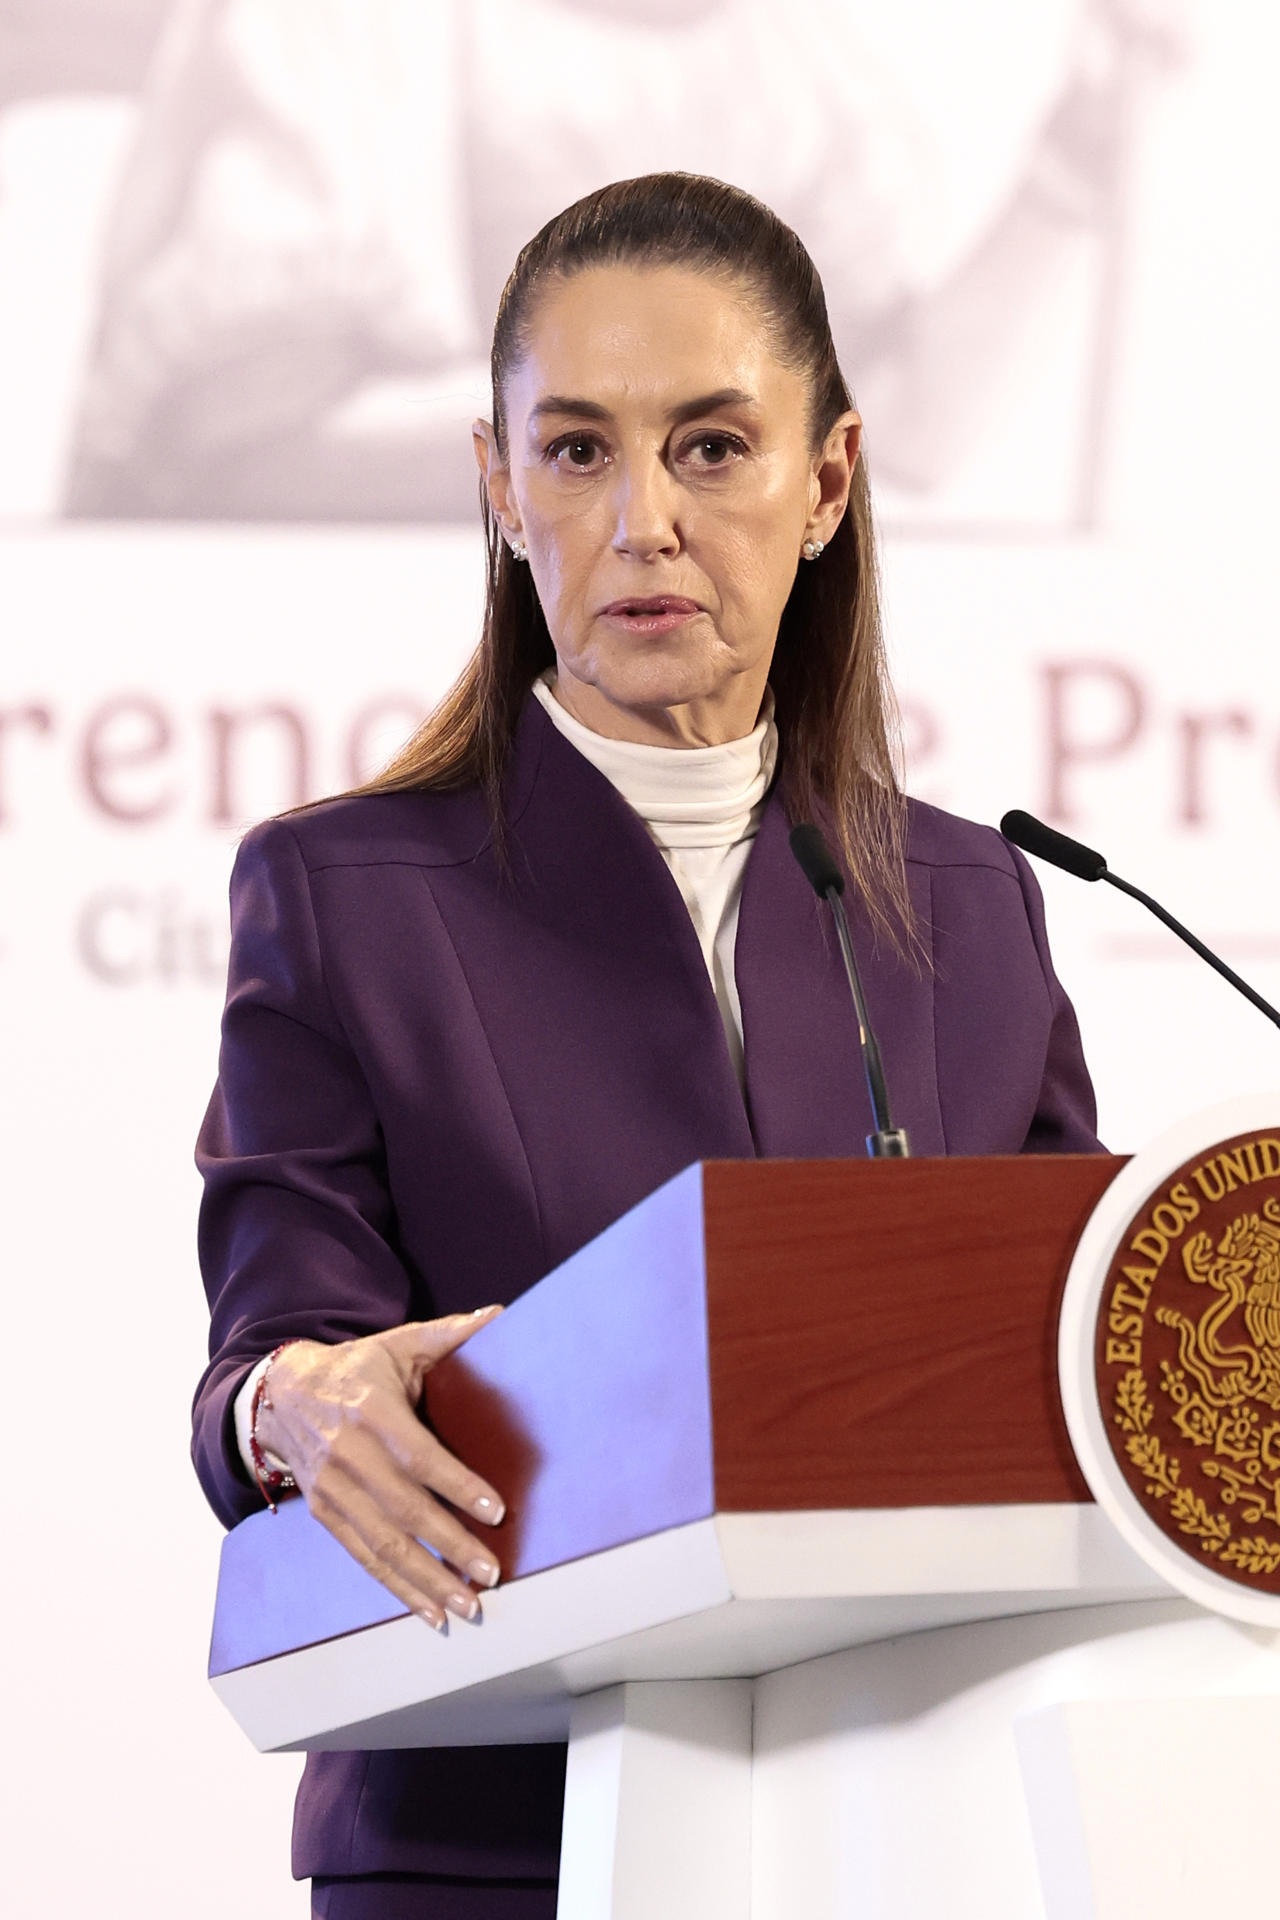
x,y
443,1072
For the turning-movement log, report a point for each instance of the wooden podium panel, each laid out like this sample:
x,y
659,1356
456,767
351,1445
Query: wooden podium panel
x,y
905,1311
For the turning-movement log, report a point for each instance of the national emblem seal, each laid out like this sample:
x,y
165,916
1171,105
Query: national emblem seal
x,y
1188,1357
1169,1356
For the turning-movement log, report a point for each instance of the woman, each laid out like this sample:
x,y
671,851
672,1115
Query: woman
x,y
471,1020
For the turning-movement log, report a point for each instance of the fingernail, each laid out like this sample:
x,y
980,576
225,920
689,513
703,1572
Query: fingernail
x,y
479,1311
487,1509
484,1572
433,1618
465,1605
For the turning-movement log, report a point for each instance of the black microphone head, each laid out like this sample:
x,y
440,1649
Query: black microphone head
x,y
1033,836
816,860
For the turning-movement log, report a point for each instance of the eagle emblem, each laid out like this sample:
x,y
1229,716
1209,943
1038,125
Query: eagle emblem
x,y
1242,1276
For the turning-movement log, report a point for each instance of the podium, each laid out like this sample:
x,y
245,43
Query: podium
x,y
798,1558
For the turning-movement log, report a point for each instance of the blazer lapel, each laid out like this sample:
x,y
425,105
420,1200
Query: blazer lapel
x,y
589,980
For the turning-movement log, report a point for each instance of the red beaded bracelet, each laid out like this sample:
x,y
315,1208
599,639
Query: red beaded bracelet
x,y
271,1480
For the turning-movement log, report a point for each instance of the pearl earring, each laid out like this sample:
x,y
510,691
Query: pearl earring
x,y
811,549
519,551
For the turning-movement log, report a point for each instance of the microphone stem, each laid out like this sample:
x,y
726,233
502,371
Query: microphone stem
x,y
887,1142
1197,946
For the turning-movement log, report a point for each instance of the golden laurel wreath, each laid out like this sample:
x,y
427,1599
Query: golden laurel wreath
x,y
1221,1394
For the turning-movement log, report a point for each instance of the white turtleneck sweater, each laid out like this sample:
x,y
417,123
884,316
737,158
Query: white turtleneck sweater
x,y
702,806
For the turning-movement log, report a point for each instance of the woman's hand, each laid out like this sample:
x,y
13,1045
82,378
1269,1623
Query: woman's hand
x,y
344,1420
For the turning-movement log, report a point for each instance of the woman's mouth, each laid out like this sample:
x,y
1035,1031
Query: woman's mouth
x,y
656,614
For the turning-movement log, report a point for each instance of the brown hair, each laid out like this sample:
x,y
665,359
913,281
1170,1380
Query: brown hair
x,y
837,721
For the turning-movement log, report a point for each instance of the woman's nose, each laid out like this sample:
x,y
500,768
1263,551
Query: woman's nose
x,y
647,523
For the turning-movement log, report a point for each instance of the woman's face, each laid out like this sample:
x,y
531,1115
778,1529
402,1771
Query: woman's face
x,y
660,474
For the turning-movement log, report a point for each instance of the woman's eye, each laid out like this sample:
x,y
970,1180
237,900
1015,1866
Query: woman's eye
x,y
713,449
574,450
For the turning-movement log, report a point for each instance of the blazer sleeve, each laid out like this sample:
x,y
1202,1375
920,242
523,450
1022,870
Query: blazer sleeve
x,y
296,1225
1066,1116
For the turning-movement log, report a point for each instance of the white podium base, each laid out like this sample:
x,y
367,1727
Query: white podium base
x,y
658,1803
1089,1764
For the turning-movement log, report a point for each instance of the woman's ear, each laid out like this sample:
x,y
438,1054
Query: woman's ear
x,y
497,477
832,478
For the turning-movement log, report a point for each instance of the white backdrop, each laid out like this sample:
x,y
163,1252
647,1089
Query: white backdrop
x,y
1063,341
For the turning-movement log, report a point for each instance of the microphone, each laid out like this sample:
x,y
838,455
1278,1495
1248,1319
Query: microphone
x,y
815,860
1059,850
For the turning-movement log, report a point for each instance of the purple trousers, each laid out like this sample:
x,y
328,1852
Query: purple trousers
x,y
394,1896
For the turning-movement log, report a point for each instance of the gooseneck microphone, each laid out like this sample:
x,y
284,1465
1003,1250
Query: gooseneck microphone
x,y
824,876
1059,850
